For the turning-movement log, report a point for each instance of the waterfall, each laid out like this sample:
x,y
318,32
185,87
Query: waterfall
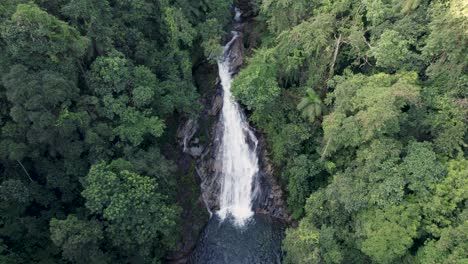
x,y
233,179
237,153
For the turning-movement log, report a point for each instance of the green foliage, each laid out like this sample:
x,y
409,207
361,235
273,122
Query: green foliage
x,y
211,32
388,234
283,14
137,213
145,86
300,176
288,140
109,75
301,244
448,125
310,106
35,38
307,244
392,140
14,191
99,83
256,85
78,239
366,108
392,51
450,248
421,168
442,210
180,30
90,82
112,78
136,124
92,19
30,91
307,44
447,46
378,11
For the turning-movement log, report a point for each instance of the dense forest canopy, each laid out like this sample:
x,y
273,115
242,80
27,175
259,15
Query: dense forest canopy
x,y
364,105
86,88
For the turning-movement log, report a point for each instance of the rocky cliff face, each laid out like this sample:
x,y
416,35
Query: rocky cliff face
x,y
270,198
199,141
248,8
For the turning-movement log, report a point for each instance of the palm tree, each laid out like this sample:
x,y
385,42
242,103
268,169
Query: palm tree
x,y
310,106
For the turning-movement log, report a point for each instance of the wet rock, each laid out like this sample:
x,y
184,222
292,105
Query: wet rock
x,y
209,170
195,151
237,52
248,8
217,104
186,132
270,199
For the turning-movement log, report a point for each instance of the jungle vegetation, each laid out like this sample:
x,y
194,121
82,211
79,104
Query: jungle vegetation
x,y
86,91
364,105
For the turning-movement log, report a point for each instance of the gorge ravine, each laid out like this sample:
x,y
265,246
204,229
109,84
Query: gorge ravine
x,y
258,196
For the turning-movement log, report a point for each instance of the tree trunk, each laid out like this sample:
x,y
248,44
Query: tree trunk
x,y
335,55
24,169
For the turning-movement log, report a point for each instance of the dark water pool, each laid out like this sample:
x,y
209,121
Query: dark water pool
x,y
257,242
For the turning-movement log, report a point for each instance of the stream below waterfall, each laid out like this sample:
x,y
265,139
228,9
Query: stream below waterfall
x,y
257,242
235,234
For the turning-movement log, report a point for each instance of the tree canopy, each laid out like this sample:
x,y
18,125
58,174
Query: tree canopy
x,y
362,104
366,126
86,92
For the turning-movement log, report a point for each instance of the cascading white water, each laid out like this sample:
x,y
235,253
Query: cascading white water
x,y
238,154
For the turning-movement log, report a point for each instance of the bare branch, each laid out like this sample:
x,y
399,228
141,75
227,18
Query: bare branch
x,y
325,150
24,169
335,55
